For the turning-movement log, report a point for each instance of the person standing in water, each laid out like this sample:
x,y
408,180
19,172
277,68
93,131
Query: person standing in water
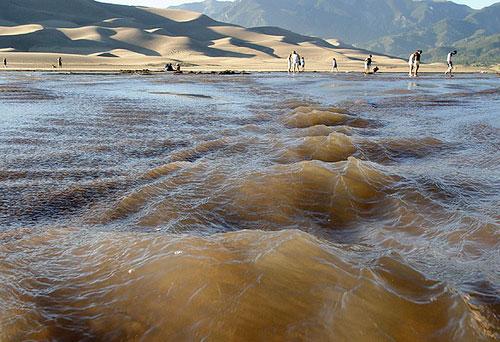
x,y
416,63
450,62
368,64
59,62
411,63
303,63
334,65
295,61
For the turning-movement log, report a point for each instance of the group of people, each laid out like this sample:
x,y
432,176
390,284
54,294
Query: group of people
x,y
414,63
296,63
368,65
170,67
59,63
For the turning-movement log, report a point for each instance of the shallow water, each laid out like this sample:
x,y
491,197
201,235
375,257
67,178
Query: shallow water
x,y
254,207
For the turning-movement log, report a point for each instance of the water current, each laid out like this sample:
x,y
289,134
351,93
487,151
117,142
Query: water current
x,y
261,207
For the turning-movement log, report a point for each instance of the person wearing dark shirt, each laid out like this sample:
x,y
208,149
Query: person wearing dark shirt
x,y
368,64
416,63
335,66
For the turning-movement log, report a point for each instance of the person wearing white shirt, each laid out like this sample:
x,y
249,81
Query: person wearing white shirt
x,y
449,61
295,61
411,62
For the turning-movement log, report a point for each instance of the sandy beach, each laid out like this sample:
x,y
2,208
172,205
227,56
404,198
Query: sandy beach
x,y
349,61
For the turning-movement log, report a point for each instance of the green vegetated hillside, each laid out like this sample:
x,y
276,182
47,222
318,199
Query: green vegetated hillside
x,y
394,27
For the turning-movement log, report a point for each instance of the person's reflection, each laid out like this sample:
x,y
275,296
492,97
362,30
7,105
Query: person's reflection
x,y
412,85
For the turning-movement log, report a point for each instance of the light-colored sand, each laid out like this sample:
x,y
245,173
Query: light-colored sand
x,y
149,38
19,30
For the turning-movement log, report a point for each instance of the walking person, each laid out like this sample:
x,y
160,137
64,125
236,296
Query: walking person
x,y
303,63
289,63
334,65
450,62
5,62
416,62
411,62
59,62
368,64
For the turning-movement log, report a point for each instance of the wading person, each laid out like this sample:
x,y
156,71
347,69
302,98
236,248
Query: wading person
x,y
59,62
416,63
335,65
411,62
368,64
449,61
295,61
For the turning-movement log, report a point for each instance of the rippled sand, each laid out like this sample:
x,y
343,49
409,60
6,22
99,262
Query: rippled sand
x,y
262,207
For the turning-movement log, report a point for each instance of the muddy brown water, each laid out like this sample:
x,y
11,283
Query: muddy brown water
x,y
249,208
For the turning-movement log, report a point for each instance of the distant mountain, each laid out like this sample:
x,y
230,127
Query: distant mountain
x,y
95,29
394,27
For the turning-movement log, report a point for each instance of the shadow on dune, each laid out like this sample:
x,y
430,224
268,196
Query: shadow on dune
x,y
52,40
291,37
56,14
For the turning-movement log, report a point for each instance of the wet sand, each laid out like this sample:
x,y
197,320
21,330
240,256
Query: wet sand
x,y
352,62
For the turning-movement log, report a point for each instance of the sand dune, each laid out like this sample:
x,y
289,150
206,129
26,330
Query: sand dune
x,y
19,30
90,34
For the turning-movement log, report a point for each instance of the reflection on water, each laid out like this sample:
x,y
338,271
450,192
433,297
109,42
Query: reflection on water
x,y
255,207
